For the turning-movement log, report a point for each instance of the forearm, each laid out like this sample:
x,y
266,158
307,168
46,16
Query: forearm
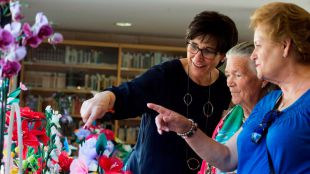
x,y
214,153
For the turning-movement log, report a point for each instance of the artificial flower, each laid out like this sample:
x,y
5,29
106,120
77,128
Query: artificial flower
x,y
15,9
82,133
88,150
56,38
108,133
78,166
6,39
64,161
111,164
9,69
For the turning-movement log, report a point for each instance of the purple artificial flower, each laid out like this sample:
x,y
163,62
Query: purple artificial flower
x,y
4,1
15,9
82,133
8,68
6,39
45,31
16,53
33,41
13,28
56,38
88,150
27,30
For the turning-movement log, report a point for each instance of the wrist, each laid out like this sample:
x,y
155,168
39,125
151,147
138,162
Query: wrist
x,y
191,131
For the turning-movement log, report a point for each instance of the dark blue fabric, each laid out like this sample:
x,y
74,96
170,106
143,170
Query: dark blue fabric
x,y
166,84
288,138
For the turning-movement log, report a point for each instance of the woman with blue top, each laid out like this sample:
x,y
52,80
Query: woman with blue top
x,y
275,138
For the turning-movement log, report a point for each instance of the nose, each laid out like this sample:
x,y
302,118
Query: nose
x,y
253,56
230,82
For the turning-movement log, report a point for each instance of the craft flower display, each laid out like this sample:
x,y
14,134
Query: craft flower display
x,y
45,150
100,152
14,39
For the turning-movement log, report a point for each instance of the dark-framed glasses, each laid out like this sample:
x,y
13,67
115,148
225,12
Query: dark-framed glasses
x,y
261,130
206,52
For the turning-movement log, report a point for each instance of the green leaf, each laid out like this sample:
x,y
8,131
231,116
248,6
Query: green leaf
x,y
16,100
15,93
101,144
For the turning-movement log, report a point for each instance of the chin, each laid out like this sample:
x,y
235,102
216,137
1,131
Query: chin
x,y
198,66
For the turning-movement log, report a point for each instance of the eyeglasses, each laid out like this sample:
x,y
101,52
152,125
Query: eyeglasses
x,y
206,52
261,130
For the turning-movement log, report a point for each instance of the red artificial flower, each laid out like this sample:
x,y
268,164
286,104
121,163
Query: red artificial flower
x,y
33,134
92,136
110,165
108,133
64,161
26,112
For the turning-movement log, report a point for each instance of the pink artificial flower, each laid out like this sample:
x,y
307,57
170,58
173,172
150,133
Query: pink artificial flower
x,y
78,166
56,38
23,86
6,39
8,68
15,9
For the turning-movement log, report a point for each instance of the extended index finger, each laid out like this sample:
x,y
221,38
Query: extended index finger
x,y
159,109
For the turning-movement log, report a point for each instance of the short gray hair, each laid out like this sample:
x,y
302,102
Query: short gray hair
x,y
241,49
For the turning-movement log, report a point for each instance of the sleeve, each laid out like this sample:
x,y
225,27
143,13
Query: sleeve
x,y
132,96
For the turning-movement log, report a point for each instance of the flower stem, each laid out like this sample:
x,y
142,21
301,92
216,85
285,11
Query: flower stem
x,y
3,100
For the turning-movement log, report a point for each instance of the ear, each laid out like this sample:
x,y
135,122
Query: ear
x,y
287,42
222,57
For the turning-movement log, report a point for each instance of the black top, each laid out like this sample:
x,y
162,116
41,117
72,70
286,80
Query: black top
x,y
166,84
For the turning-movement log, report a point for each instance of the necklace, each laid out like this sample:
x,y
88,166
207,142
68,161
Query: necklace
x,y
207,110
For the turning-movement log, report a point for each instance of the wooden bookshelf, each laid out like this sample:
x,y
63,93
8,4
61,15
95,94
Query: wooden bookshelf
x,y
78,69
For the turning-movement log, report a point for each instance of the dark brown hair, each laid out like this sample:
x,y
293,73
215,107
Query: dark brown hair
x,y
214,25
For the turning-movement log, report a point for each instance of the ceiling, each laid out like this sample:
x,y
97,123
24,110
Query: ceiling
x,y
162,18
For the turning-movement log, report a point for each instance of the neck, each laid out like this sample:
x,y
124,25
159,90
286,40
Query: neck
x,y
203,78
294,85
247,109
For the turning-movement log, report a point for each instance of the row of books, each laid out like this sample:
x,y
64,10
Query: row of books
x,y
71,55
145,59
128,134
95,82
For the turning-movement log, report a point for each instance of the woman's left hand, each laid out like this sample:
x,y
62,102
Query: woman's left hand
x,y
168,120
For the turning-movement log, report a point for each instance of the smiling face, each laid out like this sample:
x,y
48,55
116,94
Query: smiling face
x,y
268,55
202,63
242,81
